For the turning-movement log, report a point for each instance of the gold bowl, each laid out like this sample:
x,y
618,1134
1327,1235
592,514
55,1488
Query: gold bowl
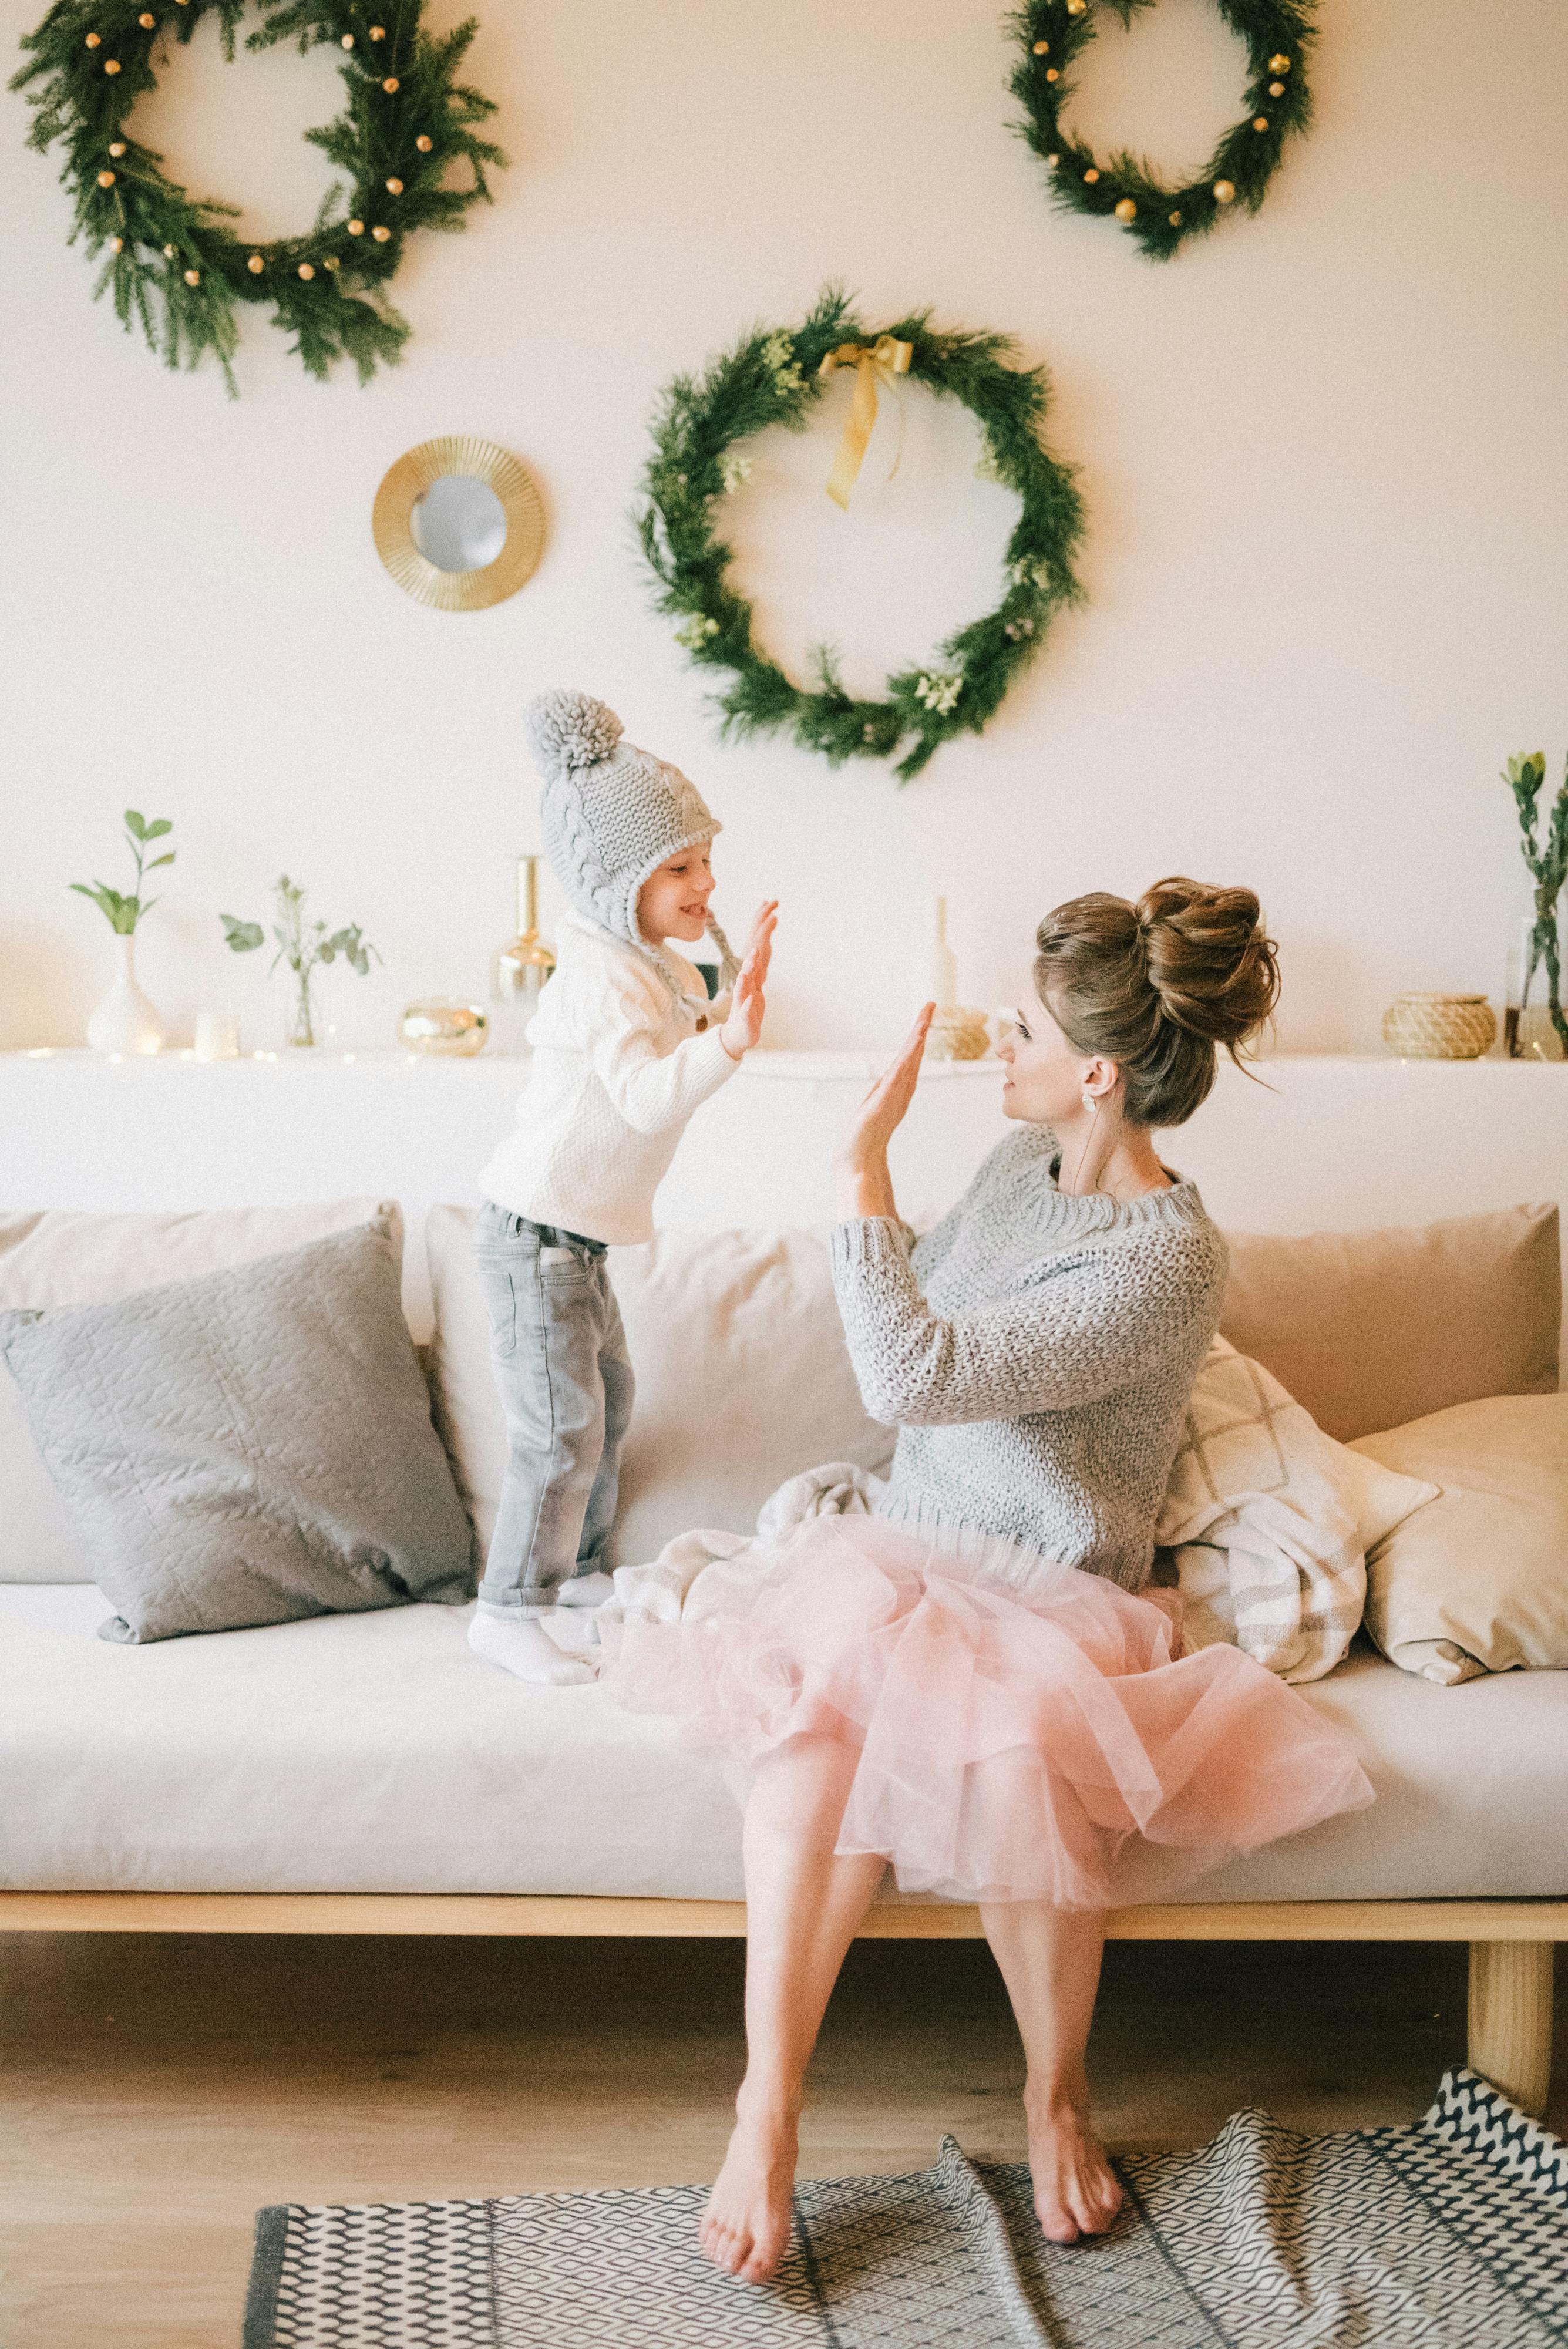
x,y
444,1028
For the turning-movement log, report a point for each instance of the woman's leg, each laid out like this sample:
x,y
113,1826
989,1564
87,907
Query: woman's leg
x,y
1050,1960
802,1905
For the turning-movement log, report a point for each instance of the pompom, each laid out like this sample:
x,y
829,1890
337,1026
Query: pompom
x,y
568,730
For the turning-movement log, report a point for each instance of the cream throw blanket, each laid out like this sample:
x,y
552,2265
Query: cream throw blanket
x,y
1268,1519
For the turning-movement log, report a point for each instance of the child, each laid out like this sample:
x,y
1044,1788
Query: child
x,y
626,1046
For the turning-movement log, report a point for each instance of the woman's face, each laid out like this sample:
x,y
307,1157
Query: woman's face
x,y
1047,1077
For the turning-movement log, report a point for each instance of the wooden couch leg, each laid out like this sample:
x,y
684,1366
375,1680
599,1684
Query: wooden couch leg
x,y
1511,2019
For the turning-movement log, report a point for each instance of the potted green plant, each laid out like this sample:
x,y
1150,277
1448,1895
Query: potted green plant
x,y
1535,1016
302,945
125,1022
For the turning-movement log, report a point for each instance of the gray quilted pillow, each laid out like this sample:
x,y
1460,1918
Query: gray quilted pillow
x,y
249,1447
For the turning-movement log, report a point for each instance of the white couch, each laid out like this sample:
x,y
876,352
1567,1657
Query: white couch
x,y
366,1773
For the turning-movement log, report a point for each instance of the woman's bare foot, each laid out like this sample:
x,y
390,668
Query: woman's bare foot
x,y
1075,2189
745,2228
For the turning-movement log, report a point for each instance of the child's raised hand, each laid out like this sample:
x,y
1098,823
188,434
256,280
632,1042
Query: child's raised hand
x,y
748,1005
760,944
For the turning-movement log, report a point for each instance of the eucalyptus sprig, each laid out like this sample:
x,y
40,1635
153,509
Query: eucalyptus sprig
x,y
301,945
1546,856
122,914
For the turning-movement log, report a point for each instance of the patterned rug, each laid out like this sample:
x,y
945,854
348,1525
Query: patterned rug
x,y
1449,2235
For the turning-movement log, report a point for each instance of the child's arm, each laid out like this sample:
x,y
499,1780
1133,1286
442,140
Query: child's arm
x,y
654,1091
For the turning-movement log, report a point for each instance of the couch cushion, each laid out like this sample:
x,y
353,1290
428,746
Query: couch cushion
x,y
375,1753
61,1259
248,1446
1369,1329
1477,1582
742,1378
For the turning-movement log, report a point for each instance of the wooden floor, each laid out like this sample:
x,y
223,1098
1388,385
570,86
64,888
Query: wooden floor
x,y
155,2091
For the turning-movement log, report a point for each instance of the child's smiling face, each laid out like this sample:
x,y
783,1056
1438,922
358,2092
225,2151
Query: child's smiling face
x,y
672,903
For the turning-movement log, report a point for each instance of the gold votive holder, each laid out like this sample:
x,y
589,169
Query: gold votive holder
x,y
443,1028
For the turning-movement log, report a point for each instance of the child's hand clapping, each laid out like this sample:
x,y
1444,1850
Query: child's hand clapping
x,y
748,1005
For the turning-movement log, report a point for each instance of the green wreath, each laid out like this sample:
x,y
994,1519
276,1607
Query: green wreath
x,y
1054,33
774,375
175,269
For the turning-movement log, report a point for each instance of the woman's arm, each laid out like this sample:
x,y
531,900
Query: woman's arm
x,y
1091,1323
862,1182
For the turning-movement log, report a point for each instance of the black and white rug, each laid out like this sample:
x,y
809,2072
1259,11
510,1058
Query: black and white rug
x,y
1449,2235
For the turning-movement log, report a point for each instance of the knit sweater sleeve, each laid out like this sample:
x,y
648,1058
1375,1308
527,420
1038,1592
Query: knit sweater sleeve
x,y
1092,1322
653,1091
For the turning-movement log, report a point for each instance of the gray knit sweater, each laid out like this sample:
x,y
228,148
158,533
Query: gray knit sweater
x,y
1036,1352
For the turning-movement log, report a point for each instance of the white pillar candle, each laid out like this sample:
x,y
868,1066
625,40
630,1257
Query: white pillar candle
x,y
217,1036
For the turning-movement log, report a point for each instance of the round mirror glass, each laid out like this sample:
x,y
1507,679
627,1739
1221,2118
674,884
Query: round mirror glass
x,y
459,523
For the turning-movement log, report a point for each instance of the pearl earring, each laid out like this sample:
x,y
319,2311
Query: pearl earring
x,y
1088,1100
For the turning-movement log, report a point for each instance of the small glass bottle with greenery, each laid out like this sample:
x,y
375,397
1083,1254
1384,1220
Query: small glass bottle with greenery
x,y
304,946
1536,966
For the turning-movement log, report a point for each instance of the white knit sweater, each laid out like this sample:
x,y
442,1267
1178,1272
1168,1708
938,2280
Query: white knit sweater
x,y
619,1064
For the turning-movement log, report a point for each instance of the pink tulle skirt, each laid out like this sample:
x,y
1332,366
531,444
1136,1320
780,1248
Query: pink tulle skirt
x,y
1020,1730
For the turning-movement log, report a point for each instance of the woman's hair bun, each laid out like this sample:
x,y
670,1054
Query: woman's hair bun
x,y
1212,965
1155,987
568,730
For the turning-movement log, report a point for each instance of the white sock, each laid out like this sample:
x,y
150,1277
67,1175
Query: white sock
x,y
584,1590
509,1637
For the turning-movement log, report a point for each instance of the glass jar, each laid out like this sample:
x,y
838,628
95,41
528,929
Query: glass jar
x,y
1527,1030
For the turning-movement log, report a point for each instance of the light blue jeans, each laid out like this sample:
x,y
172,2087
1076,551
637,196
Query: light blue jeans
x,y
566,1387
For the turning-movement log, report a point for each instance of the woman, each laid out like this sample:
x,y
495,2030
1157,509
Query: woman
x,y
974,1685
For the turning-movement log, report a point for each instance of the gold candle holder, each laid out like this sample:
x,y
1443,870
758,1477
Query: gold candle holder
x,y
521,968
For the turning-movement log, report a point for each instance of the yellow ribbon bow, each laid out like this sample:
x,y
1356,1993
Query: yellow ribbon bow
x,y
885,357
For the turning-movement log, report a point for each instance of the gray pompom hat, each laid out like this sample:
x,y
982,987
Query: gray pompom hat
x,y
611,815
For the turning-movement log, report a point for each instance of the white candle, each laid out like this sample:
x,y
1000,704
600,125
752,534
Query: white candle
x,y
217,1036
943,979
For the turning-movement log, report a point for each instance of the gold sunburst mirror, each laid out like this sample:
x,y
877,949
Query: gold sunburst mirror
x,y
458,524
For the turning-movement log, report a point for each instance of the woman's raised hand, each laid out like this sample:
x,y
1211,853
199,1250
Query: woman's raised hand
x,y
748,1005
882,1111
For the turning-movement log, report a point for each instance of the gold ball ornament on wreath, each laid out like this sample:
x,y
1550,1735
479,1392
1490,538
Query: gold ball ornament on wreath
x,y
1279,64
1126,209
1224,192
347,316
1090,177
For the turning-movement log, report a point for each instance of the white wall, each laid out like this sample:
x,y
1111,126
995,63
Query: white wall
x,y
1324,455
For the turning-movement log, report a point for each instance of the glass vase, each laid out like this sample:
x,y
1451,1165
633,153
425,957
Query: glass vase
x,y
302,1019
1527,1029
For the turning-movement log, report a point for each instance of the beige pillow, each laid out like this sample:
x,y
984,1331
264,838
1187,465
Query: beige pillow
x,y
63,1258
1370,1330
742,1378
1478,1581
